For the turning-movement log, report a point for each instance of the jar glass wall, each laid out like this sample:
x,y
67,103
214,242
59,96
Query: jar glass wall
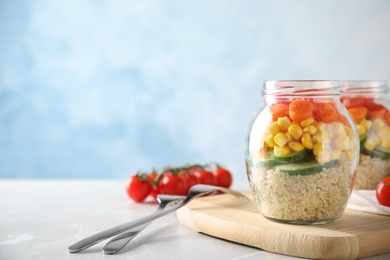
x,y
367,102
302,152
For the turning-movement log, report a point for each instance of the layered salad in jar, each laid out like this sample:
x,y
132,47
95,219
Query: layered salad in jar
x,y
301,163
373,125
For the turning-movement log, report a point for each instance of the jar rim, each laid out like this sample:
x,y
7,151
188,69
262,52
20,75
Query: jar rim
x,y
293,88
364,86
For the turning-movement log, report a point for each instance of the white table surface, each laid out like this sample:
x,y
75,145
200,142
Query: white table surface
x,y
39,219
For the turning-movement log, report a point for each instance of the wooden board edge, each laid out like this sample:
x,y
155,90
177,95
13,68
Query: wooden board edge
x,y
255,236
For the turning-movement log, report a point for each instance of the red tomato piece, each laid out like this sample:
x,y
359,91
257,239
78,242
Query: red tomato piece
x,y
372,106
278,110
223,176
190,178
154,192
300,109
172,184
205,176
138,188
353,102
358,113
387,118
383,192
325,112
377,113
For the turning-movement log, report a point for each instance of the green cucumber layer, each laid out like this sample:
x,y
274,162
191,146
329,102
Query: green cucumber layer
x,y
381,153
293,156
305,168
266,163
383,150
363,139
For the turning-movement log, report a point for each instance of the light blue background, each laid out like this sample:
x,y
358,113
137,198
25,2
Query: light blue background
x,y
101,89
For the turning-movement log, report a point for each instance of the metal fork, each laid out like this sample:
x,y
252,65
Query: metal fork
x,y
120,241
195,191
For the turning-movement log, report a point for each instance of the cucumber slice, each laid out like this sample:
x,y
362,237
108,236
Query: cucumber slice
x,y
261,159
293,156
266,163
383,150
305,168
363,139
381,153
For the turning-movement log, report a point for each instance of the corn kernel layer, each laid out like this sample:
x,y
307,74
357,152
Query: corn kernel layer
x,y
328,141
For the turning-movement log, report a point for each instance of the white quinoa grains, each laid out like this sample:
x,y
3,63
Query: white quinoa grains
x,y
370,172
306,198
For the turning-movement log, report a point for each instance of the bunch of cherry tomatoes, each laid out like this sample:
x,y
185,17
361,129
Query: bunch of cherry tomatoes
x,y
176,180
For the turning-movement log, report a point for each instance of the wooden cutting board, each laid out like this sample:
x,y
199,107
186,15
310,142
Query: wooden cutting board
x,y
355,235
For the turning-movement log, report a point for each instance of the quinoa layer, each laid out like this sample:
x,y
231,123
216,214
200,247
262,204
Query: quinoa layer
x,y
309,198
370,172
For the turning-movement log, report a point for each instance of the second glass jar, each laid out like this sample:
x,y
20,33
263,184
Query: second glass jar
x,y
367,102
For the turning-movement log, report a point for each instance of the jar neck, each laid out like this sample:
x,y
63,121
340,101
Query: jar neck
x,y
366,88
309,89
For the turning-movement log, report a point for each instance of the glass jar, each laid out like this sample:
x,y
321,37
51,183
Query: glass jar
x,y
367,102
302,152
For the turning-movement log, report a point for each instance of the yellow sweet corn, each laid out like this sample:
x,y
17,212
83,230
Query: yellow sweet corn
x,y
378,124
350,155
282,151
353,146
321,137
280,139
320,126
376,139
342,142
366,123
296,146
284,123
311,129
386,142
361,130
269,140
339,129
317,148
384,132
329,129
349,131
273,128
335,154
323,157
306,141
369,145
307,122
289,137
295,131
317,138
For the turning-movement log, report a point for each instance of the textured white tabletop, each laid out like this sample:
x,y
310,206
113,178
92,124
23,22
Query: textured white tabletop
x,y
39,219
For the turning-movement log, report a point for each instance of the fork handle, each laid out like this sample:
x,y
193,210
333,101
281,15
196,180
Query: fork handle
x,y
98,237
120,241
117,243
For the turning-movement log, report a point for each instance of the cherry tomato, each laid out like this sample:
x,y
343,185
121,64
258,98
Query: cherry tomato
x,y
154,192
190,179
353,102
372,106
138,187
383,192
204,176
172,184
223,176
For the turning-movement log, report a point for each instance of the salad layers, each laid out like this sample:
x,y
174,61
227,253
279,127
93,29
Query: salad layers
x,y
372,121
301,161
